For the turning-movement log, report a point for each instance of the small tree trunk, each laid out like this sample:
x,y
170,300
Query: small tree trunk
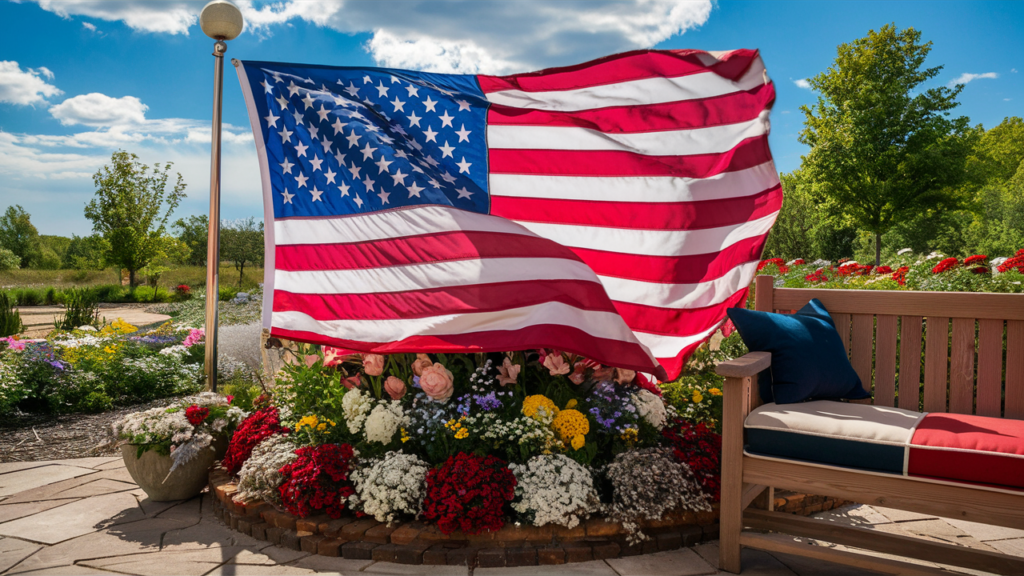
x,y
241,273
131,278
878,249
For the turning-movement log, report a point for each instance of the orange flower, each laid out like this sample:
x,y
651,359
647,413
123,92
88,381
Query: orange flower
x,y
509,372
422,362
436,382
556,364
373,364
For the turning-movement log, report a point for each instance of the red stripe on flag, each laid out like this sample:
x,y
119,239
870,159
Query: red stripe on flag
x,y
728,109
640,215
676,322
636,65
443,301
747,154
443,246
674,366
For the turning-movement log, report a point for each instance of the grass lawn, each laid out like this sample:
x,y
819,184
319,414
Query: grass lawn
x,y
194,276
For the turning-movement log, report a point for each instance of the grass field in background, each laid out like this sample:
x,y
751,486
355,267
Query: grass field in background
x,y
194,276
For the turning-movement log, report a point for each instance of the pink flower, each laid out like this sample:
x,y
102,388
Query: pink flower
x,y
436,382
334,355
623,376
13,343
556,364
421,363
195,336
509,372
579,373
352,382
373,364
394,387
311,359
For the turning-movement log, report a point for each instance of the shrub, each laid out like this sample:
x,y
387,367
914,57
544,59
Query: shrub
x,y
9,260
79,310
10,319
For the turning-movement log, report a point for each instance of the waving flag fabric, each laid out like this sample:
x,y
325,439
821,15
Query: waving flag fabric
x,y
613,209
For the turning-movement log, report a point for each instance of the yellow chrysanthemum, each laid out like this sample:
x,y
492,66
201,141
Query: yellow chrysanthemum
x,y
569,424
578,442
462,433
630,435
715,392
571,404
532,404
697,397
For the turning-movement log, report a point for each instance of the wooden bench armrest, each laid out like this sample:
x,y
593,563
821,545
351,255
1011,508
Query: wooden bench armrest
x,y
747,365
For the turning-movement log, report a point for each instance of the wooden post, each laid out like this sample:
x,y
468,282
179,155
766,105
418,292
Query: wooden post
x,y
734,412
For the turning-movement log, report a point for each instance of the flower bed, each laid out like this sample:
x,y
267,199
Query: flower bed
x,y
473,446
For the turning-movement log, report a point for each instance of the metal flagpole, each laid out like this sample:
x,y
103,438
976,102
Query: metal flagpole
x,y
220,20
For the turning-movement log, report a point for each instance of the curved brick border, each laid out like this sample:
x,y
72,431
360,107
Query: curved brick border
x,y
419,543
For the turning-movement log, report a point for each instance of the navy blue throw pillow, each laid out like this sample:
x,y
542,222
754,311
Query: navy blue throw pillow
x,y
809,361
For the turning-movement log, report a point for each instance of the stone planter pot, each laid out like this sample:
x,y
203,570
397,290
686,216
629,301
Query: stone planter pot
x,y
187,481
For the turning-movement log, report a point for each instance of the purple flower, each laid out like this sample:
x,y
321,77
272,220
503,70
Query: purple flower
x,y
488,402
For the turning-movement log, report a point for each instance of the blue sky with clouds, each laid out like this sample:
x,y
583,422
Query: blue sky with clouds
x,y
79,80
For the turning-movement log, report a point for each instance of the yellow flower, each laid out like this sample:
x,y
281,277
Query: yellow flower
x,y
321,427
569,424
630,435
571,404
405,436
538,402
697,397
715,392
578,442
462,433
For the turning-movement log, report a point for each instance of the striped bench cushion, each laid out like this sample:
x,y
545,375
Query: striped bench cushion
x,y
955,447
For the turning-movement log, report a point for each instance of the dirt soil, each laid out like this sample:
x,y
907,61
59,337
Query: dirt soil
x,y
31,437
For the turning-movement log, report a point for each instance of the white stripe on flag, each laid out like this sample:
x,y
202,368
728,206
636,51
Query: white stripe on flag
x,y
669,346
637,188
712,140
432,275
679,296
633,92
652,242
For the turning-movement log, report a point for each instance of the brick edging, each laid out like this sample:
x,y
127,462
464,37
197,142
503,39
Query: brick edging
x,y
415,542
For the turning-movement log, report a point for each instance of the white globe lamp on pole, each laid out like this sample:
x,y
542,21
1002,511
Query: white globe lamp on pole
x,y
220,20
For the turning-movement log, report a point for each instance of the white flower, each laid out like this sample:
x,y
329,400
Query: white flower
x,y
554,489
260,476
904,251
355,406
384,421
651,408
933,255
391,486
821,262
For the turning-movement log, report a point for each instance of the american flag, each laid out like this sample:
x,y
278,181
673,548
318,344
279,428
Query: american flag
x,y
613,209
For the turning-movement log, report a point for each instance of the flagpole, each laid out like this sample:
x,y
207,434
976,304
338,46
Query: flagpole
x,y
220,20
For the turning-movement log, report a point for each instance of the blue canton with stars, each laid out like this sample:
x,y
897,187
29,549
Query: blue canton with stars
x,y
357,140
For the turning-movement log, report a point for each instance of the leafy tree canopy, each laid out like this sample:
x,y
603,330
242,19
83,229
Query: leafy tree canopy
x,y
241,242
18,235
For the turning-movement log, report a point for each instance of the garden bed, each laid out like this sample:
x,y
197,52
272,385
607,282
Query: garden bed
x,y
414,542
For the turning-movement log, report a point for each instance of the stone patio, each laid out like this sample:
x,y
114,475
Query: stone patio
x,y
86,516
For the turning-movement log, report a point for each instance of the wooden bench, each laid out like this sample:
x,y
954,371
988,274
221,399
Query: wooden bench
x,y
963,372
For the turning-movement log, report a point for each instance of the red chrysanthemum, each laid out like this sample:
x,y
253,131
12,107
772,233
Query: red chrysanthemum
x,y
317,480
1015,263
699,447
253,430
798,262
196,415
817,276
469,493
947,264
976,259
883,270
900,275
777,262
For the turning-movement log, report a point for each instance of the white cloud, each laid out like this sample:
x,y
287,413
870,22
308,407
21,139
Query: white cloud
x,y
25,87
967,77
97,109
161,16
434,55
802,83
1014,70
89,26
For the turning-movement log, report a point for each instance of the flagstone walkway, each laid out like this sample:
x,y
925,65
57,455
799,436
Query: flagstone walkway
x,y
86,516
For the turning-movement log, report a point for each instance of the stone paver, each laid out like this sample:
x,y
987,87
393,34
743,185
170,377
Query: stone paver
x,y
87,517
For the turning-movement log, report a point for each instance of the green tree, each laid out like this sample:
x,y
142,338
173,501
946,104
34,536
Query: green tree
x,y
883,148
18,235
194,232
126,210
241,242
806,228
86,252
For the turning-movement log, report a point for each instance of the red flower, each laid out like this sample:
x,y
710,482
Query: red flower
x,y
798,262
976,259
980,270
853,268
700,448
900,275
317,480
253,430
947,264
469,493
196,415
777,262
183,288
817,276
1015,263
883,270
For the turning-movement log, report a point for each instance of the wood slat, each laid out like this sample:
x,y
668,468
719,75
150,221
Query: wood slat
x,y
961,367
990,368
901,492
735,406
842,322
1015,369
959,304
862,347
936,354
885,542
787,545
910,363
750,493
885,360
764,289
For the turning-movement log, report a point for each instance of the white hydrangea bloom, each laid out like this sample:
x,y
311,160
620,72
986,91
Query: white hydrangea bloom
x,y
384,421
554,489
391,486
260,476
355,405
651,408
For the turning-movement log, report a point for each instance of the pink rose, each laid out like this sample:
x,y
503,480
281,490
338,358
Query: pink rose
x,y
373,364
623,376
508,372
394,387
421,363
556,364
436,382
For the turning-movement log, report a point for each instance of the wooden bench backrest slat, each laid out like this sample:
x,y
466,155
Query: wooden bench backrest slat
x,y
885,360
962,369
910,362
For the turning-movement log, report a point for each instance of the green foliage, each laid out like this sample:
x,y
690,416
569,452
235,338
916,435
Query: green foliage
x,y
241,242
882,148
126,210
243,390
10,319
79,310
9,260
18,235
194,232
85,252
805,228
309,388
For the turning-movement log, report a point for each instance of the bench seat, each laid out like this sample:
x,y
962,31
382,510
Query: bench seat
x,y
951,447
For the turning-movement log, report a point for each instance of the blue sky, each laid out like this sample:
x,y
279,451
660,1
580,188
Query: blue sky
x,y
79,80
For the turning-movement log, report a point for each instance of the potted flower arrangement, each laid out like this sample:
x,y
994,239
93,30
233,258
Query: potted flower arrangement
x,y
168,451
